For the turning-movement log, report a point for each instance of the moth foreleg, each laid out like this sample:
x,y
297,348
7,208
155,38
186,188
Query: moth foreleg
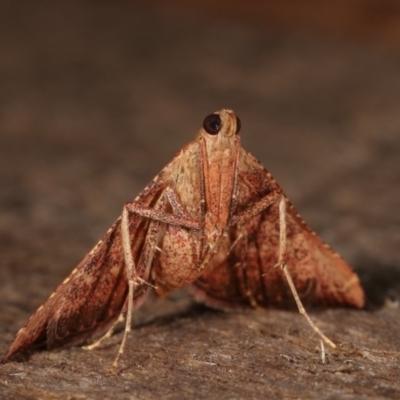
x,y
257,207
137,273
179,218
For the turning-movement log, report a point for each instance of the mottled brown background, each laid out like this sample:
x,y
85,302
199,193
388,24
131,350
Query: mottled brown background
x,y
96,96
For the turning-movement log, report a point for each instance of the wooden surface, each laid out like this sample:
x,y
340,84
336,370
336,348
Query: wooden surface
x,y
97,96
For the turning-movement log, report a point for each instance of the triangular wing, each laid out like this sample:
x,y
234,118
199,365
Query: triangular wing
x,y
93,296
243,274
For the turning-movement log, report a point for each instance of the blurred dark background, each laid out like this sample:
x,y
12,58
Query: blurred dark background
x,y
97,96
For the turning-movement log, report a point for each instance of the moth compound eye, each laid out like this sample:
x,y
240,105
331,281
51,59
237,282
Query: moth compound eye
x,y
238,125
212,124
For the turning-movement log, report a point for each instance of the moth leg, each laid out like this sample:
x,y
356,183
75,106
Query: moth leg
x,y
106,335
323,359
236,241
181,218
282,264
135,273
176,204
132,282
256,208
243,272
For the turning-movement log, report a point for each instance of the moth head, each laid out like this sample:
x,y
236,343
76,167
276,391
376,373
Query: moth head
x,y
223,122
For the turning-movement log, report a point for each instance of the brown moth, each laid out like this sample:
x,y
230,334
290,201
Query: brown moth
x,y
213,220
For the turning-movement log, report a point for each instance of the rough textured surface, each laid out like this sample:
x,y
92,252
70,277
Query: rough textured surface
x,y
97,97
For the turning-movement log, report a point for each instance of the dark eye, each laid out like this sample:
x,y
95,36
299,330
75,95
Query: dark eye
x,y
212,124
238,125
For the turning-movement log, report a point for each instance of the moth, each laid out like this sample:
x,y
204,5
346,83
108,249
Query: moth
x,y
213,220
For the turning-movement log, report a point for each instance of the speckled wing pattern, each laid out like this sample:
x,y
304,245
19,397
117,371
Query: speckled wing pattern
x,y
189,209
242,274
93,296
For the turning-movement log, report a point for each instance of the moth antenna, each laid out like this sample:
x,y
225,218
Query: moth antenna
x,y
283,266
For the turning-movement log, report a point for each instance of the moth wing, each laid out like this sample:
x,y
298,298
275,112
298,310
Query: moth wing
x,y
90,299
243,273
